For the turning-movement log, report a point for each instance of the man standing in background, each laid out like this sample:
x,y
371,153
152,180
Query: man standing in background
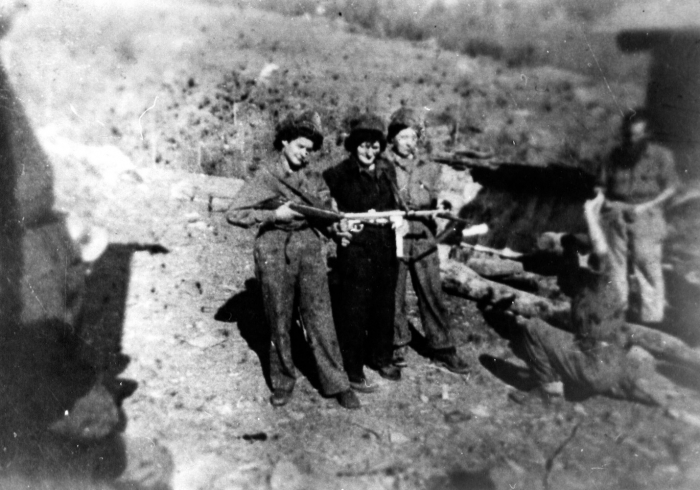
x,y
638,178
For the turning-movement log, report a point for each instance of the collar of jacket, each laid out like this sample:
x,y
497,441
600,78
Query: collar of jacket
x,y
398,161
279,169
276,171
380,167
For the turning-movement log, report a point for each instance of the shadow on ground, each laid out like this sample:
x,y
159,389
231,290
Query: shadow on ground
x,y
61,393
247,310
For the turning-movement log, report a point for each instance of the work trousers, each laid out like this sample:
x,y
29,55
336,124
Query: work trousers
x,y
425,277
367,271
555,355
636,243
290,266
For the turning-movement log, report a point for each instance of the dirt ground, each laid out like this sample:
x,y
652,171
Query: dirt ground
x,y
191,317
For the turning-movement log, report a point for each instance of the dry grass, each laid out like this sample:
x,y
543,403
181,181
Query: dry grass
x,y
558,33
182,90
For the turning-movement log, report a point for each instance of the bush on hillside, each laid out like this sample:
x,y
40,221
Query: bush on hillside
x,y
520,33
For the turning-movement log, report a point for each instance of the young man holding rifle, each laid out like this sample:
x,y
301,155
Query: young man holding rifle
x,y
289,260
417,181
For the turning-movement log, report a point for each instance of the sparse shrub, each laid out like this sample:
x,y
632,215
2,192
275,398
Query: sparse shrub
x,y
292,8
483,47
525,55
550,32
125,49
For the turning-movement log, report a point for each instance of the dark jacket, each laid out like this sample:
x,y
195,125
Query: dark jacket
x,y
356,190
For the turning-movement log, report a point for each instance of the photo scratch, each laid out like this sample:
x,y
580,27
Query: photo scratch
x,y
143,114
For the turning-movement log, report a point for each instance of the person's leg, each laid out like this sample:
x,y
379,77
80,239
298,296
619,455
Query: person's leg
x,y
616,234
402,334
647,234
277,281
425,276
380,306
317,318
541,341
354,275
556,355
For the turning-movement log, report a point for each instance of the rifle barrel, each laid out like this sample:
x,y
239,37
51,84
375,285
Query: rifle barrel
x,y
433,213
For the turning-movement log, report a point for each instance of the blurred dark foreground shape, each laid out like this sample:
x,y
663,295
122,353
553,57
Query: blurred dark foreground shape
x,y
61,421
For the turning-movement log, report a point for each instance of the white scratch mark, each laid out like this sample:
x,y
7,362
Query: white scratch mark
x,y
590,48
35,295
82,118
144,113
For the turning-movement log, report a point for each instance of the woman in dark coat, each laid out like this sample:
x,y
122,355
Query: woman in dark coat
x,y
367,266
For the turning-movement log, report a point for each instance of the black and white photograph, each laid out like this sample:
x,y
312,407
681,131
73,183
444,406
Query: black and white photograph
x,y
349,244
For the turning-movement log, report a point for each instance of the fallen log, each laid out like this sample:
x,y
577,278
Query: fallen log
x,y
494,267
662,345
507,271
460,280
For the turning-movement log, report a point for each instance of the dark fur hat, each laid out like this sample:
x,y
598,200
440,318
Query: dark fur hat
x,y
366,127
304,125
405,117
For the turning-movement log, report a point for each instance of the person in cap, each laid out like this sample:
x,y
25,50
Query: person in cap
x,y
290,260
417,180
594,359
638,178
367,266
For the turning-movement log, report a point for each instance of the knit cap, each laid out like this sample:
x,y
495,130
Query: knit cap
x,y
306,125
366,127
405,117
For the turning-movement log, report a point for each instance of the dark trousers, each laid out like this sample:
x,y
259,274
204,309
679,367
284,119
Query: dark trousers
x,y
555,355
365,308
290,267
425,277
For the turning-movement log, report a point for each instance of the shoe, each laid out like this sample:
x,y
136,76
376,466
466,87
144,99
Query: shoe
x,y
363,386
537,396
390,372
553,389
280,397
399,357
452,361
348,399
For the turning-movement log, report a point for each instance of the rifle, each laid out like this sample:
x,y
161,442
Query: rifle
x,y
357,221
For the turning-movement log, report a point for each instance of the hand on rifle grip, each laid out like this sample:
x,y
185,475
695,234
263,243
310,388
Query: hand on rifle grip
x,y
343,232
355,226
401,226
445,206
